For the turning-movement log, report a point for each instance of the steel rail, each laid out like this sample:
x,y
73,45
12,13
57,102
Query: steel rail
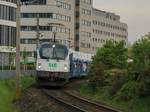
x,y
107,108
71,107
77,103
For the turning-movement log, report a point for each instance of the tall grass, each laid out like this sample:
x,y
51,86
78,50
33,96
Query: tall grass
x,y
101,95
7,92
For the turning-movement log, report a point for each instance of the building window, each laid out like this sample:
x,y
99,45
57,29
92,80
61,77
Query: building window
x,y
86,12
45,28
7,13
86,34
86,23
63,5
38,2
47,15
7,36
89,2
13,1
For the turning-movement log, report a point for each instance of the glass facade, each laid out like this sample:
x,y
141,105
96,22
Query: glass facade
x,y
7,35
7,13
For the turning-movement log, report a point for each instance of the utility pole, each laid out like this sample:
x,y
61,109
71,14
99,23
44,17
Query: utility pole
x,y
18,86
18,13
38,32
55,25
2,61
54,36
69,39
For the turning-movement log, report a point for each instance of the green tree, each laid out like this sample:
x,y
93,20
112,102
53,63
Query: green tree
x,y
141,64
96,76
141,54
112,55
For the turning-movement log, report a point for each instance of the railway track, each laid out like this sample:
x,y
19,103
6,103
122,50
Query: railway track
x,y
76,103
67,105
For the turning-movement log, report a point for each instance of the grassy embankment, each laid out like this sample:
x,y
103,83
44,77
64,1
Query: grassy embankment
x,y
134,105
7,92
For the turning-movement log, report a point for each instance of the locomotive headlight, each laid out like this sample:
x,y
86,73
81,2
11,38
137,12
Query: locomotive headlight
x,y
53,46
39,65
65,67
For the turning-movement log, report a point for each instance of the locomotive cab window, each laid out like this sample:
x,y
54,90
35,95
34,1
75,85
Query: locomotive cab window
x,y
53,51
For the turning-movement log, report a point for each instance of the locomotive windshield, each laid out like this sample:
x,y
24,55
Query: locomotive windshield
x,y
53,51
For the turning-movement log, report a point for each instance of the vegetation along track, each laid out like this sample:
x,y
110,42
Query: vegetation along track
x,y
75,103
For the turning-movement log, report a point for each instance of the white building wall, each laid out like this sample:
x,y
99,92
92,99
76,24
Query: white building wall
x,y
106,26
89,37
85,22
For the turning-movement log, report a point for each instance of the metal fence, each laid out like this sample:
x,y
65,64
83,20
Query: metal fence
x,y
12,73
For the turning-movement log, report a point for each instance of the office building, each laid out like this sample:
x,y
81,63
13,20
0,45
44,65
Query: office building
x,y
94,27
73,22
7,30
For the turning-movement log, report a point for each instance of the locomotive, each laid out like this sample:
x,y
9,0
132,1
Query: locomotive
x,y
56,64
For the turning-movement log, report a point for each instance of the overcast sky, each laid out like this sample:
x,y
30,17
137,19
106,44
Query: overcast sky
x,y
136,13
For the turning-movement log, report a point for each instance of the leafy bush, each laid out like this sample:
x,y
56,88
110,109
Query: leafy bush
x,y
117,78
140,69
113,55
145,83
96,76
128,91
128,80
141,54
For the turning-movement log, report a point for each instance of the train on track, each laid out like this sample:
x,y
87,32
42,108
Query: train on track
x,y
56,64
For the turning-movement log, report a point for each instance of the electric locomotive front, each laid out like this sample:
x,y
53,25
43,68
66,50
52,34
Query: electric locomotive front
x,y
53,65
